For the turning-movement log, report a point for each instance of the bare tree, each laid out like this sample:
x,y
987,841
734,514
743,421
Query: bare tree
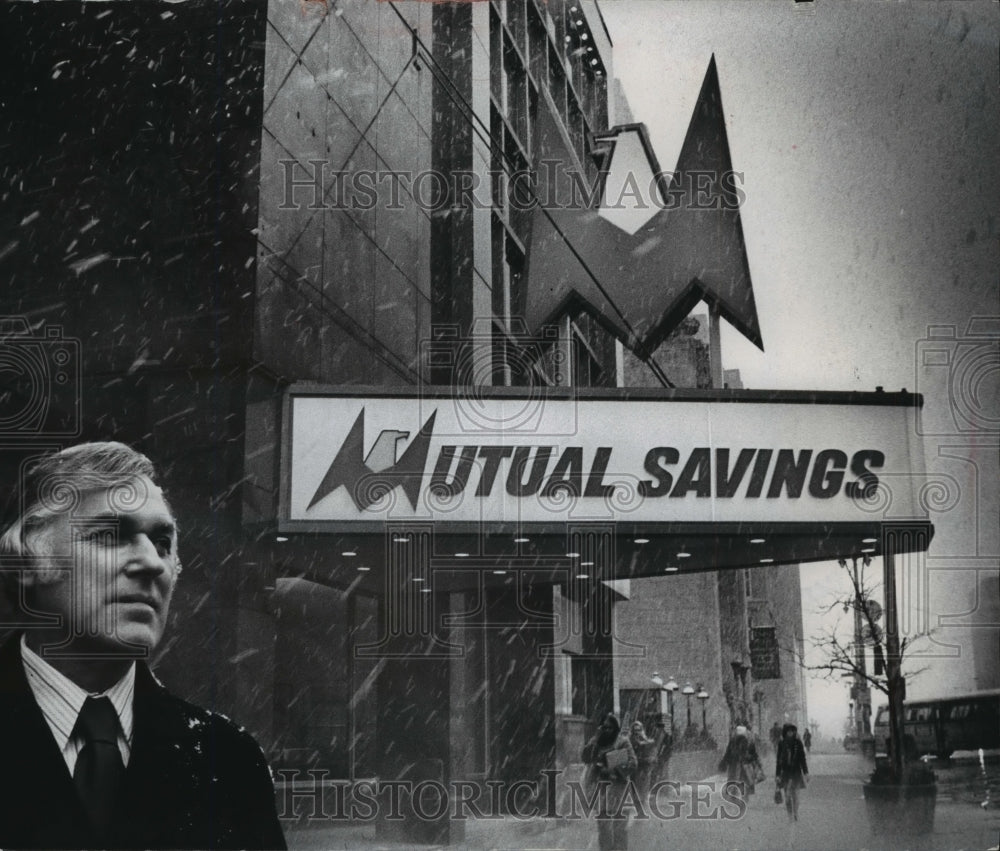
x,y
848,657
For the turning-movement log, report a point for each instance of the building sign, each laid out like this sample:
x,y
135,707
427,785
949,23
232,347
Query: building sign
x,y
677,234
625,456
765,660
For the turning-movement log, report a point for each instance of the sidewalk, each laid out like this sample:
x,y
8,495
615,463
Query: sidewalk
x,y
832,816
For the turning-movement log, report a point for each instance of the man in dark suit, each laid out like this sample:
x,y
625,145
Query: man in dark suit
x,y
94,751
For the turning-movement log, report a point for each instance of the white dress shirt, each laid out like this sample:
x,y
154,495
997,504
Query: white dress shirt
x,y
61,700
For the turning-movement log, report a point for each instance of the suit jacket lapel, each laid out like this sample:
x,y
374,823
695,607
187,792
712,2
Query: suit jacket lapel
x,y
158,794
38,792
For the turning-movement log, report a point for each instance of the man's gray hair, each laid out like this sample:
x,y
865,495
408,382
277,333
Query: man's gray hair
x,y
53,485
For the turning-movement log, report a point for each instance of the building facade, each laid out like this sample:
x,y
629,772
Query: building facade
x,y
217,201
392,252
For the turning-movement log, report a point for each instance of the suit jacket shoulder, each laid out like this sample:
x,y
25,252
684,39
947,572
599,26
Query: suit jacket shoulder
x,y
194,778
210,771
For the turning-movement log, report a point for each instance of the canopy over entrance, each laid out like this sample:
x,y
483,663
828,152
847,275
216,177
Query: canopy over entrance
x,y
612,484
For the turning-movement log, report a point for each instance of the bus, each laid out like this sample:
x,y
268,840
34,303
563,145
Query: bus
x,y
943,725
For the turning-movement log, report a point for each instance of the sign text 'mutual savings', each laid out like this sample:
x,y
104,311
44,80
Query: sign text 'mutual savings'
x,y
556,472
748,472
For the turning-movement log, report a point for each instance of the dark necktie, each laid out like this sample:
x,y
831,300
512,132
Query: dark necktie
x,y
99,769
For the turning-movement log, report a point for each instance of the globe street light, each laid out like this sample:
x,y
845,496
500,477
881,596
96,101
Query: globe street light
x,y
661,698
703,697
687,691
671,687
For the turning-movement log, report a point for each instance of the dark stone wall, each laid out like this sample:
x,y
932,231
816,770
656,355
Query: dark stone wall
x,y
676,623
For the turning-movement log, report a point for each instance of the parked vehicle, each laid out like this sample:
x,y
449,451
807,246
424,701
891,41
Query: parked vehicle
x,y
944,725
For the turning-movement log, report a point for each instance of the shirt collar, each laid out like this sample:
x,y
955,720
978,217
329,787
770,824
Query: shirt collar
x,y
61,700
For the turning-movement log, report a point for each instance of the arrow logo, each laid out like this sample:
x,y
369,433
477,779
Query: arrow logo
x,y
369,479
646,275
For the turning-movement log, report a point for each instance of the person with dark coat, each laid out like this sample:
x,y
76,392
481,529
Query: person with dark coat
x,y
775,735
95,752
645,752
807,740
790,769
740,761
610,761
664,747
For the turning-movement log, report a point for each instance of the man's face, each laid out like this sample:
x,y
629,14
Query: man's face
x,y
123,557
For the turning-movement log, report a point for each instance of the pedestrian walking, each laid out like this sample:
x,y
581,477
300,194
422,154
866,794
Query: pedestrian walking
x,y
645,754
610,763
664,746
741,762
791,769
775,735
807,740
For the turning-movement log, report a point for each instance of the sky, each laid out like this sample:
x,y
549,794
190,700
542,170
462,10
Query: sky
x,y
867,133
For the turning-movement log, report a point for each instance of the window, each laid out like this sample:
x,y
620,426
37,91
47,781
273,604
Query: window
x,y
574,122
496,56
557,82
517,91
593,353
587,76
501,303
514,102
538,43
517,22
918,714
557,11
497,166
508,292
601,117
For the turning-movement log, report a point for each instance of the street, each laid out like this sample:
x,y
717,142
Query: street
x,y
832,816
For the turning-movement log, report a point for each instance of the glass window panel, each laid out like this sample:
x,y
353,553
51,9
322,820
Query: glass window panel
x,y
516,21
496,56
601,105
499,270
537,42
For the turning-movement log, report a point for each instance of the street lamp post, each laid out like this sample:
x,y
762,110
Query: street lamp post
x,y
758,698
661,698
671,687
703,697
687,691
